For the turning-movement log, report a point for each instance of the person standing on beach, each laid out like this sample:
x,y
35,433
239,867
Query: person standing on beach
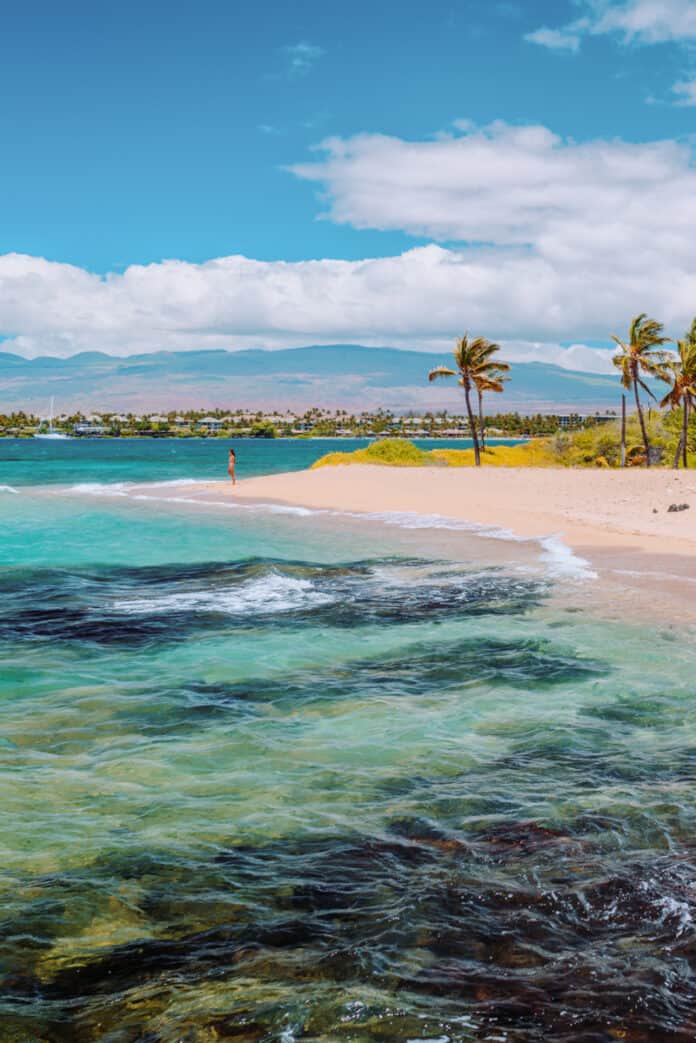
x,y
230,466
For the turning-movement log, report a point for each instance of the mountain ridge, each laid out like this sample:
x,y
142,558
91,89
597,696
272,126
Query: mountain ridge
x,y
334,376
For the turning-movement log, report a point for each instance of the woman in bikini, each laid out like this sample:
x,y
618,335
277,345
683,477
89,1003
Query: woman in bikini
x,y
230,466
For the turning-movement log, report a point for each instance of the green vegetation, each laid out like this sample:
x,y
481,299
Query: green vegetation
x,y
396,452
640,357
682,394
392,452
597,446
263,430
475,367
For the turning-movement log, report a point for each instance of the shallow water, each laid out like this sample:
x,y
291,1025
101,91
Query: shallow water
x,y
38,462
278,777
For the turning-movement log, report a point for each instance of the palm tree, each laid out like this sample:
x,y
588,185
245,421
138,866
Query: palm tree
x,y
639,357
488,376
468,359
683,390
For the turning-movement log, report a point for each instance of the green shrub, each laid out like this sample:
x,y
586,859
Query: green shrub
x,y
391,452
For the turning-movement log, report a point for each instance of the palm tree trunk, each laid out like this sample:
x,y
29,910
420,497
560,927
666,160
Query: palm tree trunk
x,y
623,430
482,426
685,431
680,446
641,418
472,426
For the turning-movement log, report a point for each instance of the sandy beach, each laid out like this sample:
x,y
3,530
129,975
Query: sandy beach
x,y
590,508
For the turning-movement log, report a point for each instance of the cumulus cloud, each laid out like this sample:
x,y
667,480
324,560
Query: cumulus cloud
x,y
686,92
645,21
542,241
302,56
637,22
597,214
555,39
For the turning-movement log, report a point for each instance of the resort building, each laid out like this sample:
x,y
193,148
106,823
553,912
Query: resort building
x,y
567,420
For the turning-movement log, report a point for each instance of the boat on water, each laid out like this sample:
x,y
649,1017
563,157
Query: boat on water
x,y
51,433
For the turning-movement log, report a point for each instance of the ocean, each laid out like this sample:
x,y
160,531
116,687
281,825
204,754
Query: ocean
x,y
272,774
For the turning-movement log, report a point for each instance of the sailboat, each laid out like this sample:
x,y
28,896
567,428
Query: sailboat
x,y
51,433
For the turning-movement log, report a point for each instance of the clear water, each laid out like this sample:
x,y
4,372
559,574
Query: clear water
x,y
37,462
278,777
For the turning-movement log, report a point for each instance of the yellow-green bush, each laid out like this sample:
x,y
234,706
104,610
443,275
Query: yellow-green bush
x,y
598,446
535,453
391,452
397,452
603,442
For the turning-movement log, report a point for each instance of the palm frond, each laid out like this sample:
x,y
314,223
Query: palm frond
x,y
646,389
441,371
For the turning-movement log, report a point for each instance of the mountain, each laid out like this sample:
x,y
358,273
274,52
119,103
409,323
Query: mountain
x,y
347,375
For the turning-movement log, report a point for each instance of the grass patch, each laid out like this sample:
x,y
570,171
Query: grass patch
x,y
598,446
391,452
398,452
536,453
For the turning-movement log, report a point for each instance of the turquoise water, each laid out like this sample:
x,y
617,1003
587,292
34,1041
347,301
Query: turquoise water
x,y
39,462
276,776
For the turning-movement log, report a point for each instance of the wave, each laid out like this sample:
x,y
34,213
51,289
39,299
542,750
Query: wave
x,y
9,489
563,562
101,488
266,595
166,603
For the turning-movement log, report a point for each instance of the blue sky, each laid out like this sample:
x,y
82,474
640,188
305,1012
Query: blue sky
x,y
135,133
143,131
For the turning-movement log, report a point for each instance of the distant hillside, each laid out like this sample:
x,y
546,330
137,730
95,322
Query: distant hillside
x,y
347,375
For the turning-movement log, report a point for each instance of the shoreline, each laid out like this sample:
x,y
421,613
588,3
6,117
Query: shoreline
x,y
591,510
615,524
645,561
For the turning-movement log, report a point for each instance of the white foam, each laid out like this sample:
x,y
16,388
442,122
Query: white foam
x,y
652,574
9,489
125,488
100,488
178,481
266,594
561,561
230,505
672,909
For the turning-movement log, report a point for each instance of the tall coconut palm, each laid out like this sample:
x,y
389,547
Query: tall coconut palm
x,y
639,357
468,359
488,376
683,390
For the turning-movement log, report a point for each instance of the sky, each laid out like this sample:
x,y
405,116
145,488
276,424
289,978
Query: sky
x,y
225,175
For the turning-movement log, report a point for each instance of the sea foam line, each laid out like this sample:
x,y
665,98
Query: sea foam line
x,y
9,489
559,558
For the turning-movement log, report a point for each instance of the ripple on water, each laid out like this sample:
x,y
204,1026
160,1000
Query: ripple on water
x,y
165,603
472,826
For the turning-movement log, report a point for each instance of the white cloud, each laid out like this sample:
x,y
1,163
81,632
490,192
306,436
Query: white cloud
x,y
302,56
646,21
561,241
577,356
533,201
634,21
555,39
686,92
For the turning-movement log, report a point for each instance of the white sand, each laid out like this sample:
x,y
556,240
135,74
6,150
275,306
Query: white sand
x,y
597,509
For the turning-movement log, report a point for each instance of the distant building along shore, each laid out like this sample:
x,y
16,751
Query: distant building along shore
x,y
314,423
